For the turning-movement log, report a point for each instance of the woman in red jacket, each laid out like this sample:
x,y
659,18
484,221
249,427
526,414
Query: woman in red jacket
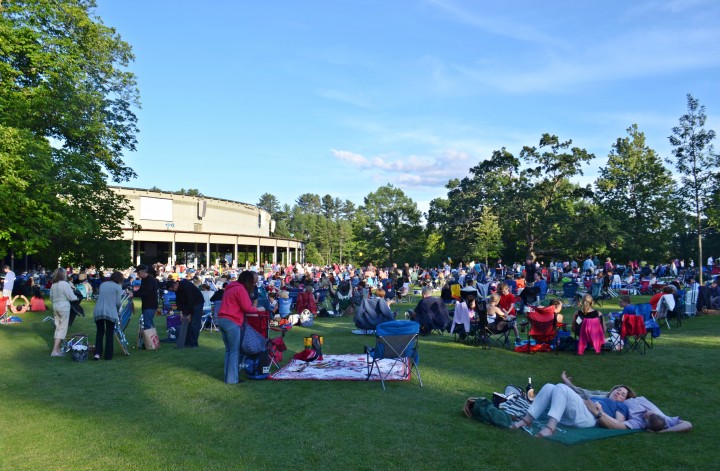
x,y
235,304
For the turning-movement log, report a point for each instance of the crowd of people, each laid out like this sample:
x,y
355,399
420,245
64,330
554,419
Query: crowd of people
x,y
370,289
197,289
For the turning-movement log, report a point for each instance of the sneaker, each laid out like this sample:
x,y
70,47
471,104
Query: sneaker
x,y
518,342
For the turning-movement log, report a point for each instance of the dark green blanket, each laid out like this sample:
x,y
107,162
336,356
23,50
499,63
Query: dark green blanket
x,y
573,436
484,411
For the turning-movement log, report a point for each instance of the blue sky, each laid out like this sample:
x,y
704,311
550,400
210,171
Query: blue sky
x,y
240,98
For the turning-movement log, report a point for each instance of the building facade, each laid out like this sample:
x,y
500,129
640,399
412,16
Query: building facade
x,y
202,231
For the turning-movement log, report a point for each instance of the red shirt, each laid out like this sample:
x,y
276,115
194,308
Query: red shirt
x,y
507,303
236,303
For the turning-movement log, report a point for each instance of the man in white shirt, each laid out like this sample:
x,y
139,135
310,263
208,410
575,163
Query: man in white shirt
x,y
9,282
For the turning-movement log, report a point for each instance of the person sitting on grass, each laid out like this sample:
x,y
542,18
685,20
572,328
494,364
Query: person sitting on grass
x,y
37,302
642,414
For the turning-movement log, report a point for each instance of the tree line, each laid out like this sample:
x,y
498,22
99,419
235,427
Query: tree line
x,y
530,204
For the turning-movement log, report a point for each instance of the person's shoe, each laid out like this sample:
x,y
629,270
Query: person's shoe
x,y
518,342
96,357
57,354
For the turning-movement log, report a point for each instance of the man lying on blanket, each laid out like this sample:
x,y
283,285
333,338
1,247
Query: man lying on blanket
x,y
642,414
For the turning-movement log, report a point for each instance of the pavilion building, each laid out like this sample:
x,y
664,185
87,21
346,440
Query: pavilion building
x,y
201,230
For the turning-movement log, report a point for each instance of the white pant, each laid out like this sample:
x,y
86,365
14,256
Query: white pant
x,y
562,404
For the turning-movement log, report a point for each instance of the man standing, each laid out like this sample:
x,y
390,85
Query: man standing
x,y
190,302
530,270
8,286
148,294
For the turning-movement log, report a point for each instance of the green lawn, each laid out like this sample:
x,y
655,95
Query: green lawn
x,y
170,408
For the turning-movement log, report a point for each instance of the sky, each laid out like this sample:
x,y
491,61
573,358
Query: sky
x,y
341,97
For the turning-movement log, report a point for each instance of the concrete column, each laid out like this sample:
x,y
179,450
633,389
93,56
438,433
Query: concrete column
x,y
235,259
207,251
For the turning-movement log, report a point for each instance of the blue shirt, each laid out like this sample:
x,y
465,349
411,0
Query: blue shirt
x,y
610,407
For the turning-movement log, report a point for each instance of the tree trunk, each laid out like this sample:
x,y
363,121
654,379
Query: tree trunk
x,y
700,252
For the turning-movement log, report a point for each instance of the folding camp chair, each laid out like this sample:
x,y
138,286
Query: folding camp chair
x,y
261,323
596,291
169,304
404,294
397,341
543,328
661,313
651,326
210,317
633,333
126,311
570,291
498,338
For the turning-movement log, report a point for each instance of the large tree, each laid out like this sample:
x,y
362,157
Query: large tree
x,y
66,112
269,203
388,226
697,164
634,190
532,196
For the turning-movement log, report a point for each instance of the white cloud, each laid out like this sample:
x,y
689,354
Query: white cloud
x,y
411,171
350,157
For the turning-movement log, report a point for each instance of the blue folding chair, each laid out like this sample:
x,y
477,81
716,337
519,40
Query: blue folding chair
x,y
652,327
570,290
284,306
397,341
126,311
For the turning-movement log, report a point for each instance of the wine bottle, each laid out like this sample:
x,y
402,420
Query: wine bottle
x,y
530,391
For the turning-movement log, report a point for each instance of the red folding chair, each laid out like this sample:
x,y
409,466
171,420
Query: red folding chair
x,y
543,329
633,333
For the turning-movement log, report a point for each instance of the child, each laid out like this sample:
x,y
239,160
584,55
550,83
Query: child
x,y
272,303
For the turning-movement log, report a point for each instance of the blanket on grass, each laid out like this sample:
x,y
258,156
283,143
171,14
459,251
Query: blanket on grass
x,y
573,436
341,368
484,411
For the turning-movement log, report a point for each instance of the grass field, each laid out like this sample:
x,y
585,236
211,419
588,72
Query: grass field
x,y
170,409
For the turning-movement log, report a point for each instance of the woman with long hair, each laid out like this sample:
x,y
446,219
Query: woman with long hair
x,y
61,294
588,325
235,304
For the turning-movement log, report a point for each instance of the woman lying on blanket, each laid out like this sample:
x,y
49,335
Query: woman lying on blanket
x,y
564,406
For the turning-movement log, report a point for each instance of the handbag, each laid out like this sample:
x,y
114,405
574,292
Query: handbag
x,y
251,342
151,339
